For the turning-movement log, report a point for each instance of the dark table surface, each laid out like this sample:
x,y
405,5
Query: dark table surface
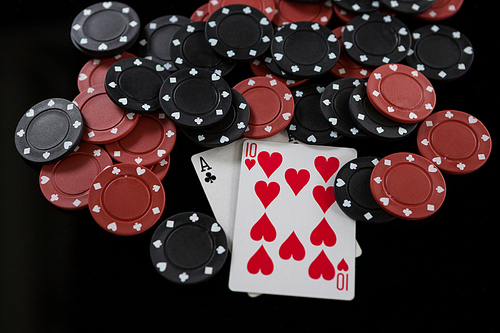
x,y
59,271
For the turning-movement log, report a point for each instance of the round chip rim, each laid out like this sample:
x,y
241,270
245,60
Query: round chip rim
x,y
238,54
362,57
391,204
161,168
201,14
169,270
57,197
152,156
186,119
238,126
121,98
341,192
267,7
133,227
258,68
358,6
361,116
482,142
393,112
441,12
442,74
347,128
284,115
414,7
112,47
303,134
325,12
300,70
65,146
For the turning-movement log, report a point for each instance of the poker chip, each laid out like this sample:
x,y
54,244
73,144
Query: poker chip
x,y
345,66
288,12
305,49
334,106
195,97
267,7
188,248
457,142
308,124
151,140
441,10
126,199
401,93
190,49
440,52
161,168
372,122
155,42
94,71
49,131
408,186
408,6
104,121
66,183
258,68
239,32
271,106
134,83
201,14
376,39
105,29
352,191
358,6
229,129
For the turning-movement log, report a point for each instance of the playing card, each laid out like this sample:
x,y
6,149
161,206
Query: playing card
x,y
290,238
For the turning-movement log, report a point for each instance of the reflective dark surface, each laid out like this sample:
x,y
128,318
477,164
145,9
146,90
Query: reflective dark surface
x,y
60,272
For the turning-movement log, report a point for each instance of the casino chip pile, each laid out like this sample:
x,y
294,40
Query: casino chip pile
x,y
108,149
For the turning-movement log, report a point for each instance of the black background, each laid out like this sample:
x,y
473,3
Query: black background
x,y
59,271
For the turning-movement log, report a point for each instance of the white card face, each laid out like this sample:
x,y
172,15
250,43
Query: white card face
x,y
290,238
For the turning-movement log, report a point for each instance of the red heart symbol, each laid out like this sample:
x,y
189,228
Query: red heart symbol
x,y
267,192
326,168
321,266
260,261
263,228
269,162
323,233
297,180
292,247
324,197
342,266
249,163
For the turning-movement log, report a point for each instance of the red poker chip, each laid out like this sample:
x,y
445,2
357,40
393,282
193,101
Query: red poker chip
x,y
401,93
126,199
160,169
345,66
267,7
271,106
94,71
104,121
151,140
66,183
201,14
457,142
408,186
441,10
290,11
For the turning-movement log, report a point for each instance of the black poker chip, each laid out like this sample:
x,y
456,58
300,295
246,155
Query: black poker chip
x,y
105,29
440,52
335,106
195,97
376,39
190,48
353,194
239,32
308,125
188,248
134,84
408,6
49,131
371,121
358,6
305,49
229,129
155,41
